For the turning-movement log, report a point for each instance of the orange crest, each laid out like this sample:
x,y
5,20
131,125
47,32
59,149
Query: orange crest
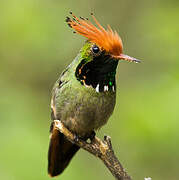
x,y
108,40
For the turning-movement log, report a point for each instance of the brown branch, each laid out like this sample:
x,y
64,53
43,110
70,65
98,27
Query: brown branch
x,y
101,149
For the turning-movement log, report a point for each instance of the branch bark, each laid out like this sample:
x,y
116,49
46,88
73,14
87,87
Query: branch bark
x,y
101,149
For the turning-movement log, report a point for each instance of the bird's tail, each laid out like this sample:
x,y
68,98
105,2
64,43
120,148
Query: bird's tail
x,y
60,153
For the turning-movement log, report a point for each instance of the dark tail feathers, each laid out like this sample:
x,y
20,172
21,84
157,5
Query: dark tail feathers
x,y
60,153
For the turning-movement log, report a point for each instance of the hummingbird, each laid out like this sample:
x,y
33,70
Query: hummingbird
x,y
84,96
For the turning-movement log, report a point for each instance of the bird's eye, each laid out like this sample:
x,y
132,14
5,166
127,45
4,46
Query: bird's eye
x,y
95,49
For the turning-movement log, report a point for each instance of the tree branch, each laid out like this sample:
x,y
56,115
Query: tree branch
x,y
101,149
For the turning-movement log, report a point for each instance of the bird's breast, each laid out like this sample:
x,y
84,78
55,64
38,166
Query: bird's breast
x,y
82,109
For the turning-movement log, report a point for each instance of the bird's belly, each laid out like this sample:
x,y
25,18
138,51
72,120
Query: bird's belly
x,y
84,113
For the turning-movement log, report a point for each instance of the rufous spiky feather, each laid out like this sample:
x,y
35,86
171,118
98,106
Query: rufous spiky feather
x,y
107,39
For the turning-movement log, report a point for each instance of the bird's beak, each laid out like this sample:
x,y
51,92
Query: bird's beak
x,y
128,58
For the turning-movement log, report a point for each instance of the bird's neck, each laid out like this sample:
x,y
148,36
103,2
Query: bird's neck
x,y
98,73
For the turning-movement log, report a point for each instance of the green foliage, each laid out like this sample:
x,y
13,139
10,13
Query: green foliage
x,y
36,45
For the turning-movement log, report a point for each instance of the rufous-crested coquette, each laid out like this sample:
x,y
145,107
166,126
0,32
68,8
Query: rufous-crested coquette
x,y
84,96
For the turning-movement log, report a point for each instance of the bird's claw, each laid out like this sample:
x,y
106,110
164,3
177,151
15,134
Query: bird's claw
x,y
76,138
92,136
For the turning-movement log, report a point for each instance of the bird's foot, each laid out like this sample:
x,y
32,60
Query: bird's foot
x,y
92,136
76,138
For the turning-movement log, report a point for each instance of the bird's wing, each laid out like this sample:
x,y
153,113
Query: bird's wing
x,y
56,89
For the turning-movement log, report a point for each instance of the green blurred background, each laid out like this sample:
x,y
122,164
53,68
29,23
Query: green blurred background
x,y
36,45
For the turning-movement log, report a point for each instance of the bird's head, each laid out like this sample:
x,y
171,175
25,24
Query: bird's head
x,y
100,54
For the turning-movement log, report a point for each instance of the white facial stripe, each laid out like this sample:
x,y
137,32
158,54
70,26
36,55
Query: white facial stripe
x,y
97,88
105,88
